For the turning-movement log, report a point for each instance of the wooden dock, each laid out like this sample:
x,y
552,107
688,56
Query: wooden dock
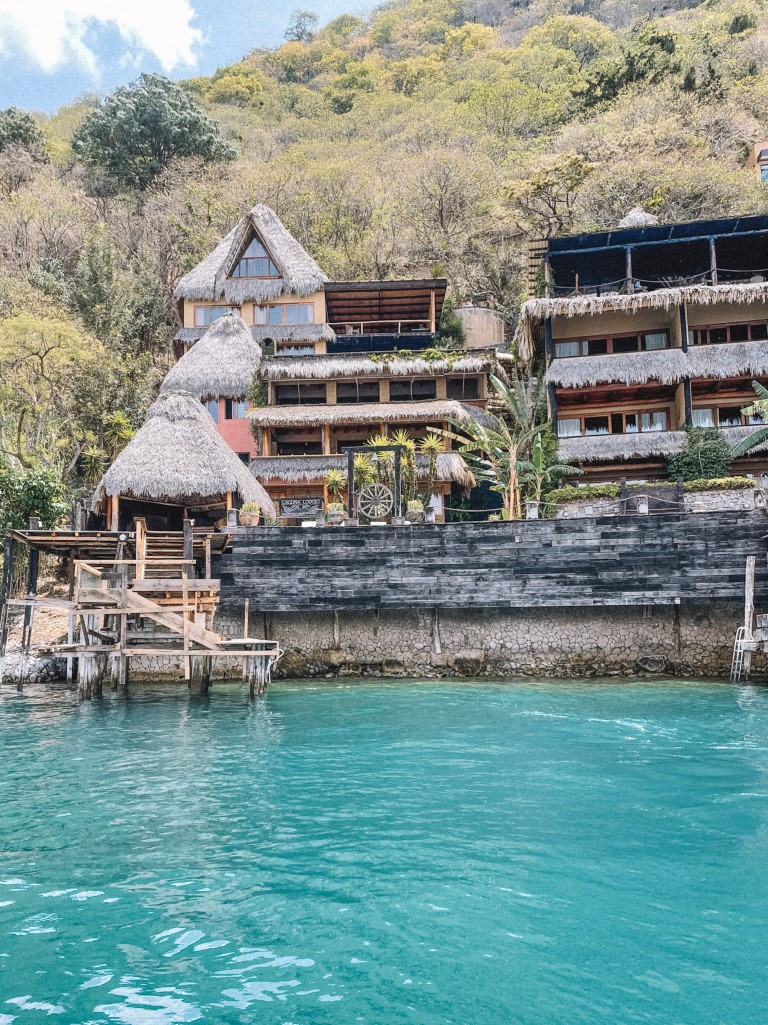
x,y
121,608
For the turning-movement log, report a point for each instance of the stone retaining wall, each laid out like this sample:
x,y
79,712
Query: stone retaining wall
x,y
676,640
741,499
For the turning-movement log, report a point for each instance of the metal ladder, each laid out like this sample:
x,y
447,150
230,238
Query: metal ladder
x,y
737,661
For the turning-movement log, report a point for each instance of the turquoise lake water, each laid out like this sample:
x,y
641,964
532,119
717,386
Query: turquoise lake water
x,y
427,853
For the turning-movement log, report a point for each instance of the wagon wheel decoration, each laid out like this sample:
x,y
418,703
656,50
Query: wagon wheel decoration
x,y
375,500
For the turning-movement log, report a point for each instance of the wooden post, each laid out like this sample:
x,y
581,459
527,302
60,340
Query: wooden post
x,y
114,513
185,614
189,539
140,526
549,346
432,312
713,260
229,500
749,611
628,273
9,552
208,558
29,614
326,439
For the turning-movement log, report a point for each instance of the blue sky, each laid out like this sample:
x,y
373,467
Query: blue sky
x,y
52,51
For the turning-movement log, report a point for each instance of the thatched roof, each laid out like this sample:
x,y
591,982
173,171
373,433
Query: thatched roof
x,y
734,359
638,218
210,280
610,448
451,468
367,414
667,366
536,310
177,456
220,366
324,368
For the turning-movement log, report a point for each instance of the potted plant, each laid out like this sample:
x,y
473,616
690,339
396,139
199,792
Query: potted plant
x,y
336,513
415,512
249,514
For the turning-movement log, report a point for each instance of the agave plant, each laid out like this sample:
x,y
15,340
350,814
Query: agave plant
x,y
118,431
335,483
760,434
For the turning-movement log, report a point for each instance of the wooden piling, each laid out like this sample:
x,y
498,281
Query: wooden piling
x,y
749,611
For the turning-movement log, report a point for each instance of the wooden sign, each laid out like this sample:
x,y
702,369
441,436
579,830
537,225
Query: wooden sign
x,y
300,508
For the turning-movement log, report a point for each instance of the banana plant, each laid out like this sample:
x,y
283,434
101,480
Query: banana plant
x,y
758,408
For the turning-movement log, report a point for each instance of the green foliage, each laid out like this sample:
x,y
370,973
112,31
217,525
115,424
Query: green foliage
x,y
251,508
335,482
587,492
301,26
258,392
707,455
450,331
720,484
37,493
18,128
759,408
139,129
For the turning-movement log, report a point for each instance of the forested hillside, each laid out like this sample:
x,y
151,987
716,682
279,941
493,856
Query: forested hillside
x,y
437,137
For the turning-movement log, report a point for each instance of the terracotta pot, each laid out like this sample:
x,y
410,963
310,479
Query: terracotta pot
x,y
249,519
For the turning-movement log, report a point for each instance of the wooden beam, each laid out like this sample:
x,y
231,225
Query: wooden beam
x,y
114,513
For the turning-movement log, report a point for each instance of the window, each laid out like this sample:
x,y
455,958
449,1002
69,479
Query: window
x,y
655,340
764,172
703,418
462,388
213,408
739,332
613,423
625,344
595,425
567,349
244,457
653,421
296,394
255,263
413,390
235,409
357,391
597,346
718,335
285,313
568,427
206,315
729,416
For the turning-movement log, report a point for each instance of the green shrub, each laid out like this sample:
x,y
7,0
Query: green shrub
x,y
569,493
720,484
707,456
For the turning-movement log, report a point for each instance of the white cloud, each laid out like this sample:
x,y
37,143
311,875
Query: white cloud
x,y
59,32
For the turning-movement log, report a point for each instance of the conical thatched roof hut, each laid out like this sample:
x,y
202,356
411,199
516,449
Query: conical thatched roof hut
x,y
220,366
178,458
210,280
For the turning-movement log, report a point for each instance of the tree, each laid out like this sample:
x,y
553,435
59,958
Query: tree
x,y
707,456
18,128
498,456
759,408
33,493
138,130
301,27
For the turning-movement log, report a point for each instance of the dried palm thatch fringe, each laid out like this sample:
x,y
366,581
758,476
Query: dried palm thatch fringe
x,y
209,280
668,366
366,414
606,448
662,299
178,456
265,332
451,468
324,368
220,366
609,448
